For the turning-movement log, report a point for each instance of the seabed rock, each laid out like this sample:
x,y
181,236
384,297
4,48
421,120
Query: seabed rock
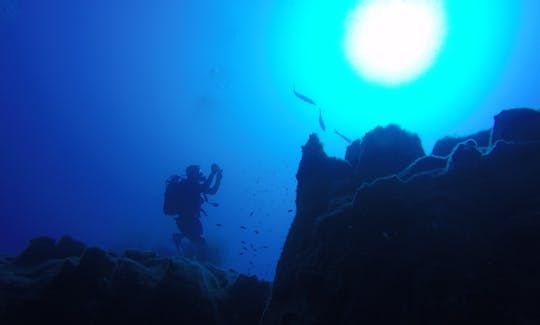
x,y
387,236
451,238
445,146
66,283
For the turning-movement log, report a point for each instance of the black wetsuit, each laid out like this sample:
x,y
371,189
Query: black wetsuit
x,y
188,221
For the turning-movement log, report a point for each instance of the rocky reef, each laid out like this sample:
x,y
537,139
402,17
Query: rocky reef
x,y
392,236
389,235
66,282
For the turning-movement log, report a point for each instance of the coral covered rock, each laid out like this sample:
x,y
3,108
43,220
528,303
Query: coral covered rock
x,y
517,125
450,240
446,145
384,151
44,286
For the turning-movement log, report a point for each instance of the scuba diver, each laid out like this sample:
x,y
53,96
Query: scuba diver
x,y
184,199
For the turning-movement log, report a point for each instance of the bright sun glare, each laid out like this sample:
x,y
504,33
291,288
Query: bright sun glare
x,y
394,41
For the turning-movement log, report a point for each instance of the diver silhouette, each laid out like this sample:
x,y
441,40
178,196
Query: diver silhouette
x,y
184,198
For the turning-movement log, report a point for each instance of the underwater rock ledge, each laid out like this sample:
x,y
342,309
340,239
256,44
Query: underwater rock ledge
x,y
444,239
388,235
66,282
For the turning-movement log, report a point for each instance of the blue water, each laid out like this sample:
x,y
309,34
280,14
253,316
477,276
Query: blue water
x,y
100,101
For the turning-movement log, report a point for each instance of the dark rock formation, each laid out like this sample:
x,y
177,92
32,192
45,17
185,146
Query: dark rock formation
x,y
66,283
427,164
390,236
382,152
353,152
450,240
67,246
42,249
313,197
38,251
504,128
445,146
517,125
330,171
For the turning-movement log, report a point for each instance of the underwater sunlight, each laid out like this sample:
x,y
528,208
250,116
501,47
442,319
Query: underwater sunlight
x,y
394,41
426,65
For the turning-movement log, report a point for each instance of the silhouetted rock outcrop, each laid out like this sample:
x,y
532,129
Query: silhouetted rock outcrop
x,y
517,125
383,151
448,240
353,152
427,164
42,249
67,247
66,283
445,146
390,236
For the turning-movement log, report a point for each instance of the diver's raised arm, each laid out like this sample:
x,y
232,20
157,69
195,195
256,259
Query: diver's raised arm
x,y
214,169
208,181
213,190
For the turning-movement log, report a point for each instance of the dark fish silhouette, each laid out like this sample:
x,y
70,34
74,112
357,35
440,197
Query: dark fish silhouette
x,y
251,214
218,225
214,204
321,122
256,232
304,98
243,242
342,136
243,227
245,248
241,253
290,210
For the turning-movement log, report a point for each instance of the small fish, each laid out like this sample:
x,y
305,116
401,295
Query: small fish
x,y
256,232
251,214
250,262
265,246
243,227
290,210
304,98
214,204
321,122
241,253
244,248
342,136
243,242
218,225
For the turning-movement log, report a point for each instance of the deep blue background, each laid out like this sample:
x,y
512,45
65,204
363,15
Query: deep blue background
x,y
101,100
